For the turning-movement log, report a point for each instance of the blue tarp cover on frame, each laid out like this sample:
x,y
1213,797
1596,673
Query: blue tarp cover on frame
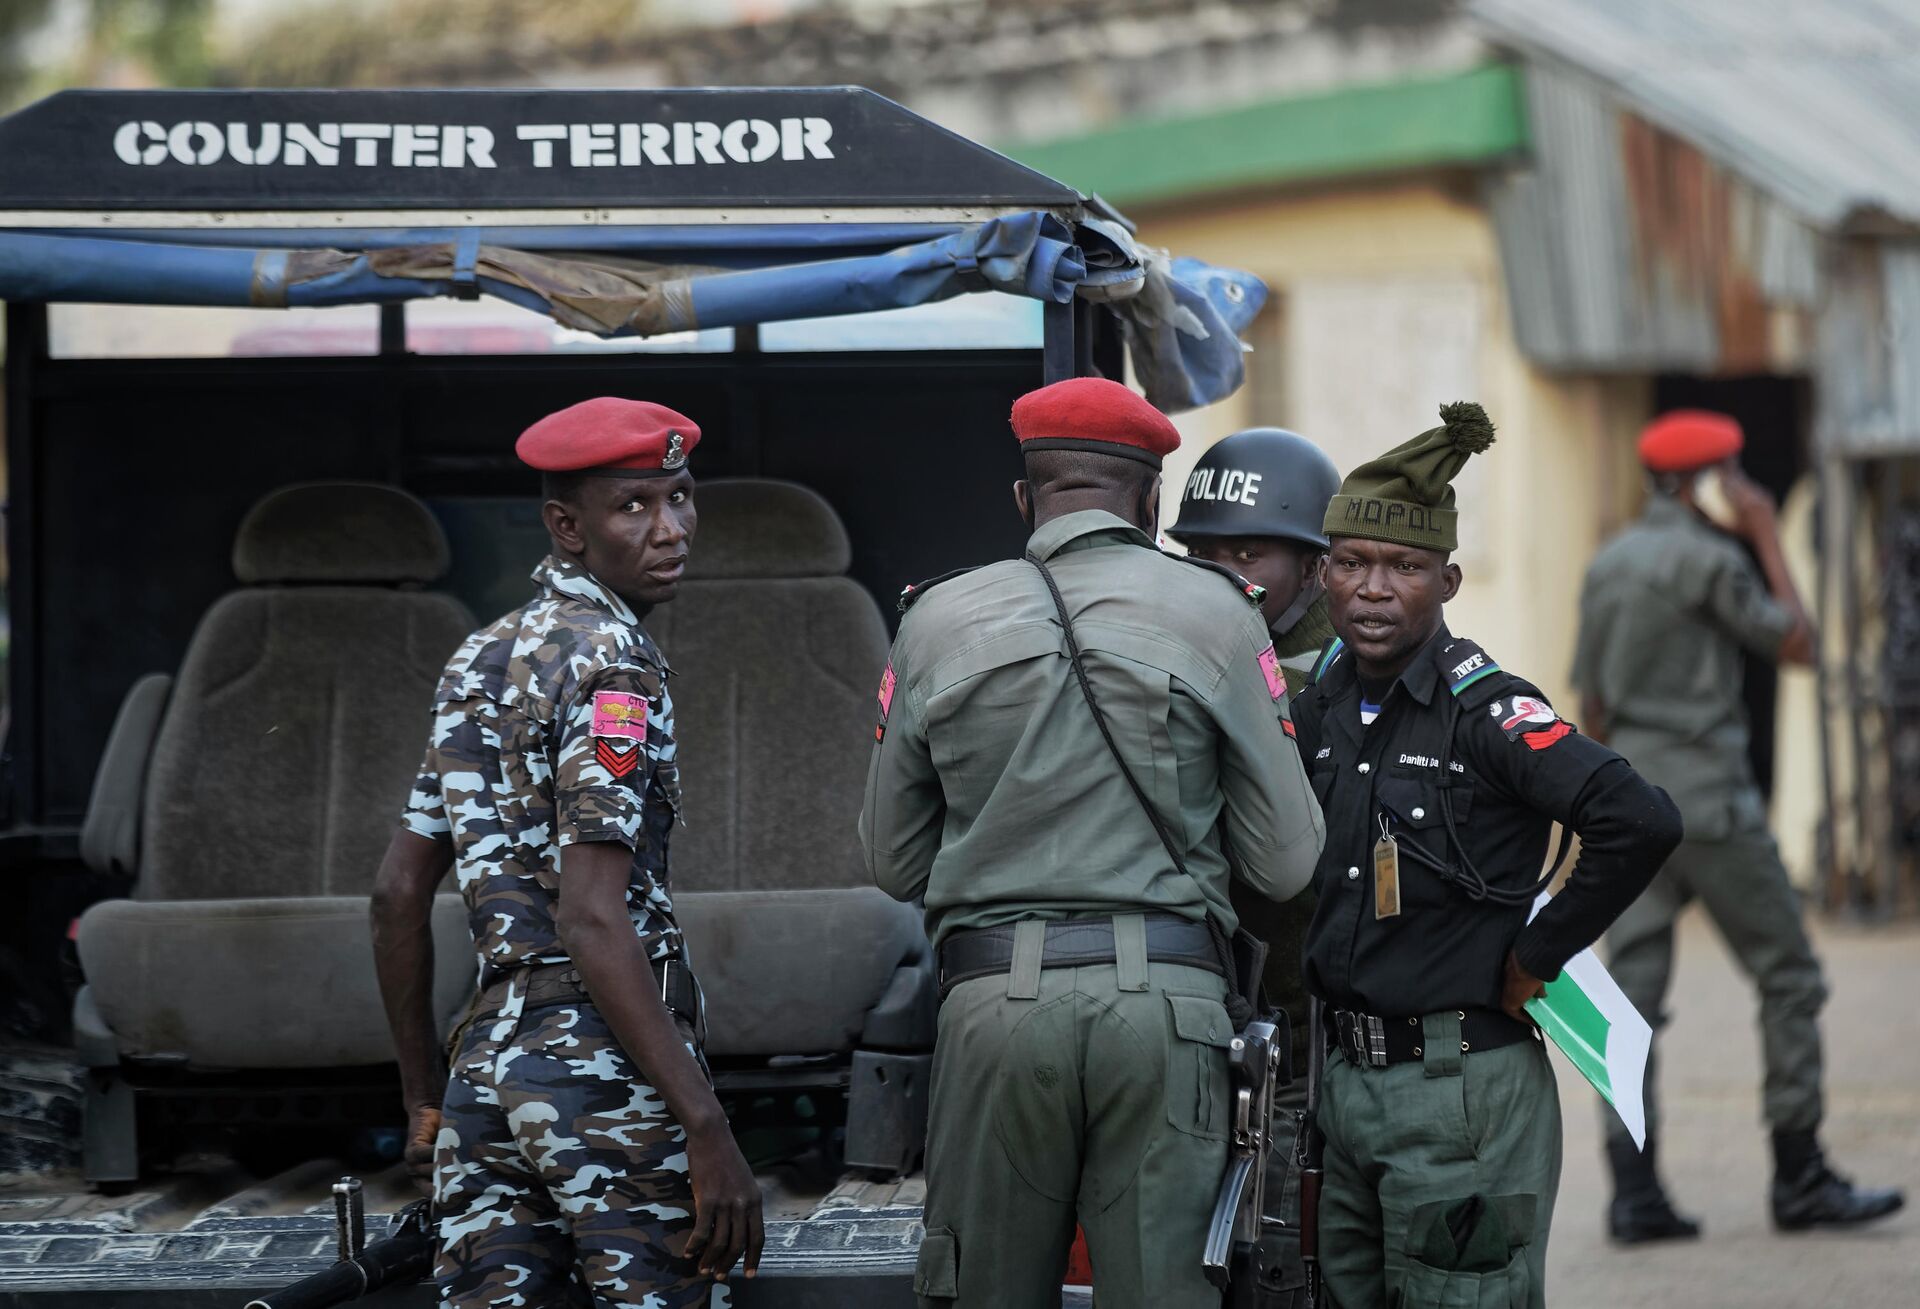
x,y
1182,318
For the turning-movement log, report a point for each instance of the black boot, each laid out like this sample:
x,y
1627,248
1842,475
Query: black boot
x,y
1640,1211
1807,1193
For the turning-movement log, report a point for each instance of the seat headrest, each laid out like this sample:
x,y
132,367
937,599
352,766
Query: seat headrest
x,y
754,528
339,532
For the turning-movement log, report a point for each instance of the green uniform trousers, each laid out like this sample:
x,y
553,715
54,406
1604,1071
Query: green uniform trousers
x,y
1744,888
1440,1177
1096,1094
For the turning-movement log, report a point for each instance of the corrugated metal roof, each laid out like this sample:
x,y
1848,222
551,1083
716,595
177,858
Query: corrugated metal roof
x,y
1627,247
1815,101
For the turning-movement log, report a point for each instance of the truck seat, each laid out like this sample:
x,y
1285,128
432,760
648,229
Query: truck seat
x,y
274,776
777,655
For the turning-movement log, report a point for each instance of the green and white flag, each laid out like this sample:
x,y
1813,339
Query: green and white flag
x,y
1589,1017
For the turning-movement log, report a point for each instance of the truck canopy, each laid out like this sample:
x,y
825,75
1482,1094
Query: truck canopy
x,y
621,213
840,460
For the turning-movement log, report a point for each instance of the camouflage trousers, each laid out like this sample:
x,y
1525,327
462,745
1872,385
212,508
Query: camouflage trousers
x,y
560,1179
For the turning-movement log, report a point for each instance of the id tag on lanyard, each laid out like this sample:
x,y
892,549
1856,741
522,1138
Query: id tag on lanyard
x,y
1386,875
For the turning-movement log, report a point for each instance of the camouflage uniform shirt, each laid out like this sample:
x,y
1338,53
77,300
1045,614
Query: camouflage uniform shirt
x,y
551,726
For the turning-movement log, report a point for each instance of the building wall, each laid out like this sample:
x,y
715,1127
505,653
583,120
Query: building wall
x,y
1388,302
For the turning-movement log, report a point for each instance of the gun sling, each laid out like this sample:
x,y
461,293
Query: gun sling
x,y
1243,959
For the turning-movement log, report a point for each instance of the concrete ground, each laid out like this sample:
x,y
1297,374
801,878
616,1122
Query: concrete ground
x,y
1714,1150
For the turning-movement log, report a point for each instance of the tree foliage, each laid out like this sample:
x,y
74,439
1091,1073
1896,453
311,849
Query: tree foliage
x,y
120,43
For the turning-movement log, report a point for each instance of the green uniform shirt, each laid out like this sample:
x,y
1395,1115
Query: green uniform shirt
x,y
991,793
1667,607
1284,926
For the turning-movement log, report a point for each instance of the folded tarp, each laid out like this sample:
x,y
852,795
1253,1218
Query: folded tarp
x,y
1182,318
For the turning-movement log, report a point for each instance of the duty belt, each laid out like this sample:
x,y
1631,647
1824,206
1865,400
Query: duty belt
x,y
1374,1042
1074,943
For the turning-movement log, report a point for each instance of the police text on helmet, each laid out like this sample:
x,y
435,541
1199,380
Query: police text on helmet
x,y
1228,484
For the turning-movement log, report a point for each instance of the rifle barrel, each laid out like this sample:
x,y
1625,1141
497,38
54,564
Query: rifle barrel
x,y
403,1258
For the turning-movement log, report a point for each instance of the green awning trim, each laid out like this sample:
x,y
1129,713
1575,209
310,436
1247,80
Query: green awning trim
x,y
1464,118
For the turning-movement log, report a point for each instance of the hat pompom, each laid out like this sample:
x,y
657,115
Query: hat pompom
x,y
1468,427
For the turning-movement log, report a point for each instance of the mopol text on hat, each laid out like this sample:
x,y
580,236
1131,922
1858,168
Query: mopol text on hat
x,y
1095,415
1686,439
610,436
1405,497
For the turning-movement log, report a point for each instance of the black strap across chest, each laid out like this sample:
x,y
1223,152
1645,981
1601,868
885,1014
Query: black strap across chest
x,y
1240,1007
1472,680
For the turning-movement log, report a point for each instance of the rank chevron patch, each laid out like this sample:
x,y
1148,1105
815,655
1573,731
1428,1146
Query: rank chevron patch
x,y
617,760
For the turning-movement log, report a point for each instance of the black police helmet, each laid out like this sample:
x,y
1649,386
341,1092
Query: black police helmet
x,y
1264,481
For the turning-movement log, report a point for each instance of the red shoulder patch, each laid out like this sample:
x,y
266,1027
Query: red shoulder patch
x,y
616,759
1541,740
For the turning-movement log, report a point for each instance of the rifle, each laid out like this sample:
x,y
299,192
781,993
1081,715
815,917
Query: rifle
x,y
405,1255
1312,1148
1238,1258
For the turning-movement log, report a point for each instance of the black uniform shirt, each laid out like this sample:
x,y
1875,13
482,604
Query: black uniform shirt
x,y
1512,770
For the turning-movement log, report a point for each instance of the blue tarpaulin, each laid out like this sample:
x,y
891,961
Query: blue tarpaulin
x,y
1182,318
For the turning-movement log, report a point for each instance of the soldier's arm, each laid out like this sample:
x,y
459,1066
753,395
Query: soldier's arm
x,y
1627,826
904,809
1756,616
1774,623
402,919
402,914
598,933
1273,823
599,808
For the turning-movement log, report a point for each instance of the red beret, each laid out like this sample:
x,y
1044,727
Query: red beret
x,y
632,437
1091,413
1686,439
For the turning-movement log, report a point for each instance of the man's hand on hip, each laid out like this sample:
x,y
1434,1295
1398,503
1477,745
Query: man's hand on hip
x,y
1518,987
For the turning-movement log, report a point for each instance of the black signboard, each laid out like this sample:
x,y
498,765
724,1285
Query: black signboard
x,y
346,150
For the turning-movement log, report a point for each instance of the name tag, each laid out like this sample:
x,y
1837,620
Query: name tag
x,y
1386,878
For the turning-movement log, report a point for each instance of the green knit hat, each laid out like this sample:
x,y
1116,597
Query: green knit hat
x,y
1406,495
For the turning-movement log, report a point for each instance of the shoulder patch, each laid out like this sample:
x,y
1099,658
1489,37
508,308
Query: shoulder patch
x,y
1255,595
619,729
1529,720
1276,680
619,716
909,595
1522,714
1329,655
887,684
1467,667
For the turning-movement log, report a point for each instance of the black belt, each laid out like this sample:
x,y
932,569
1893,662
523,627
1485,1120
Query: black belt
x,y
1374,1042
561,984
1075,943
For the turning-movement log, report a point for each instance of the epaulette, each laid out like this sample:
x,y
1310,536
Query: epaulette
x,y
1256,595
1329,655
910,594
1472,676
